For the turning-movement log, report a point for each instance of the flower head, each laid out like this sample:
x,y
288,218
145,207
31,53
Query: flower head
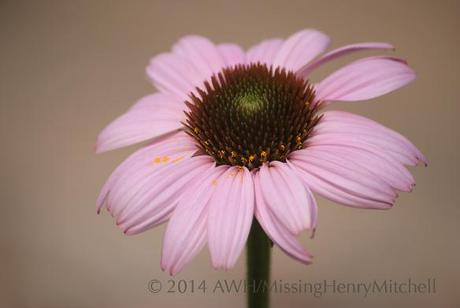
x,y
235,135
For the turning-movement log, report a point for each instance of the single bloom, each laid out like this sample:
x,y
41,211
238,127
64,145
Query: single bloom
x,y
234,135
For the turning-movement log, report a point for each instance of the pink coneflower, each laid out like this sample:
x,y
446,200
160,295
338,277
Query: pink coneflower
x,y
235,135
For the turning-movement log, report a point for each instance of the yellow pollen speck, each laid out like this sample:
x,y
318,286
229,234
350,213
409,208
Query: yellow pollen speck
x,y
177,159
214,182
196,130
251,158
233,153
157,160
163,159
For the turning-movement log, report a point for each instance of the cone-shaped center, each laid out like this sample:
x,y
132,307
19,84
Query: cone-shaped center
x,y
249,103
249,114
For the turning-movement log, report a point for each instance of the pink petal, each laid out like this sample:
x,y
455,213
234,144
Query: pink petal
x,y
392,172
231,211
276,231
152,116
143,190
356,161
345,171
129,177
287,198
377,147
300,48
186,233
264,52
155,201
179,144
339,52
173,75
232,54
201,54
193,60
346,177
356,130
364,79
328,189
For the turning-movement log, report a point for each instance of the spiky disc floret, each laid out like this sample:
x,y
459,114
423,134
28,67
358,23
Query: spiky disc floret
x,y
249,114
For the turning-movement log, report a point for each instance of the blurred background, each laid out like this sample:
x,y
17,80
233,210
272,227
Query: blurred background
x,y
69,67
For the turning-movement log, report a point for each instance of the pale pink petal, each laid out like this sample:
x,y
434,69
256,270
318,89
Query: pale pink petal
x,y
133,190
333,165
126,179
154,203
232,54
355,161
339,52
178,143
377,147
173,75
202,55
276,231
364,79
300,48
231,211
264,52
346,127
390,171
346,177
328,189
287,198
152,116
186,233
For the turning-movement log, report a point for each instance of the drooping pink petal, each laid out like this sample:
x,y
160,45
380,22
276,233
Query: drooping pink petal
x,y
364,79
392,172
346,177
125,180
376,147
275,230
327,188
339,52
300,48
333,165
356,161
155,201
144,189
148,159
231,211
287,198
152,116
264,52
186,233
356,130
232,54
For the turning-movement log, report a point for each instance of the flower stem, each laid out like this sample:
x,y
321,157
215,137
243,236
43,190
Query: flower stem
x,y
258,271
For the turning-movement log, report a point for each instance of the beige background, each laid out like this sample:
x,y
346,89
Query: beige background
x,y
70,67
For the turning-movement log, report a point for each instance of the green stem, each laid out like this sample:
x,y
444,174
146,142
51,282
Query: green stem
x,y
258,271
